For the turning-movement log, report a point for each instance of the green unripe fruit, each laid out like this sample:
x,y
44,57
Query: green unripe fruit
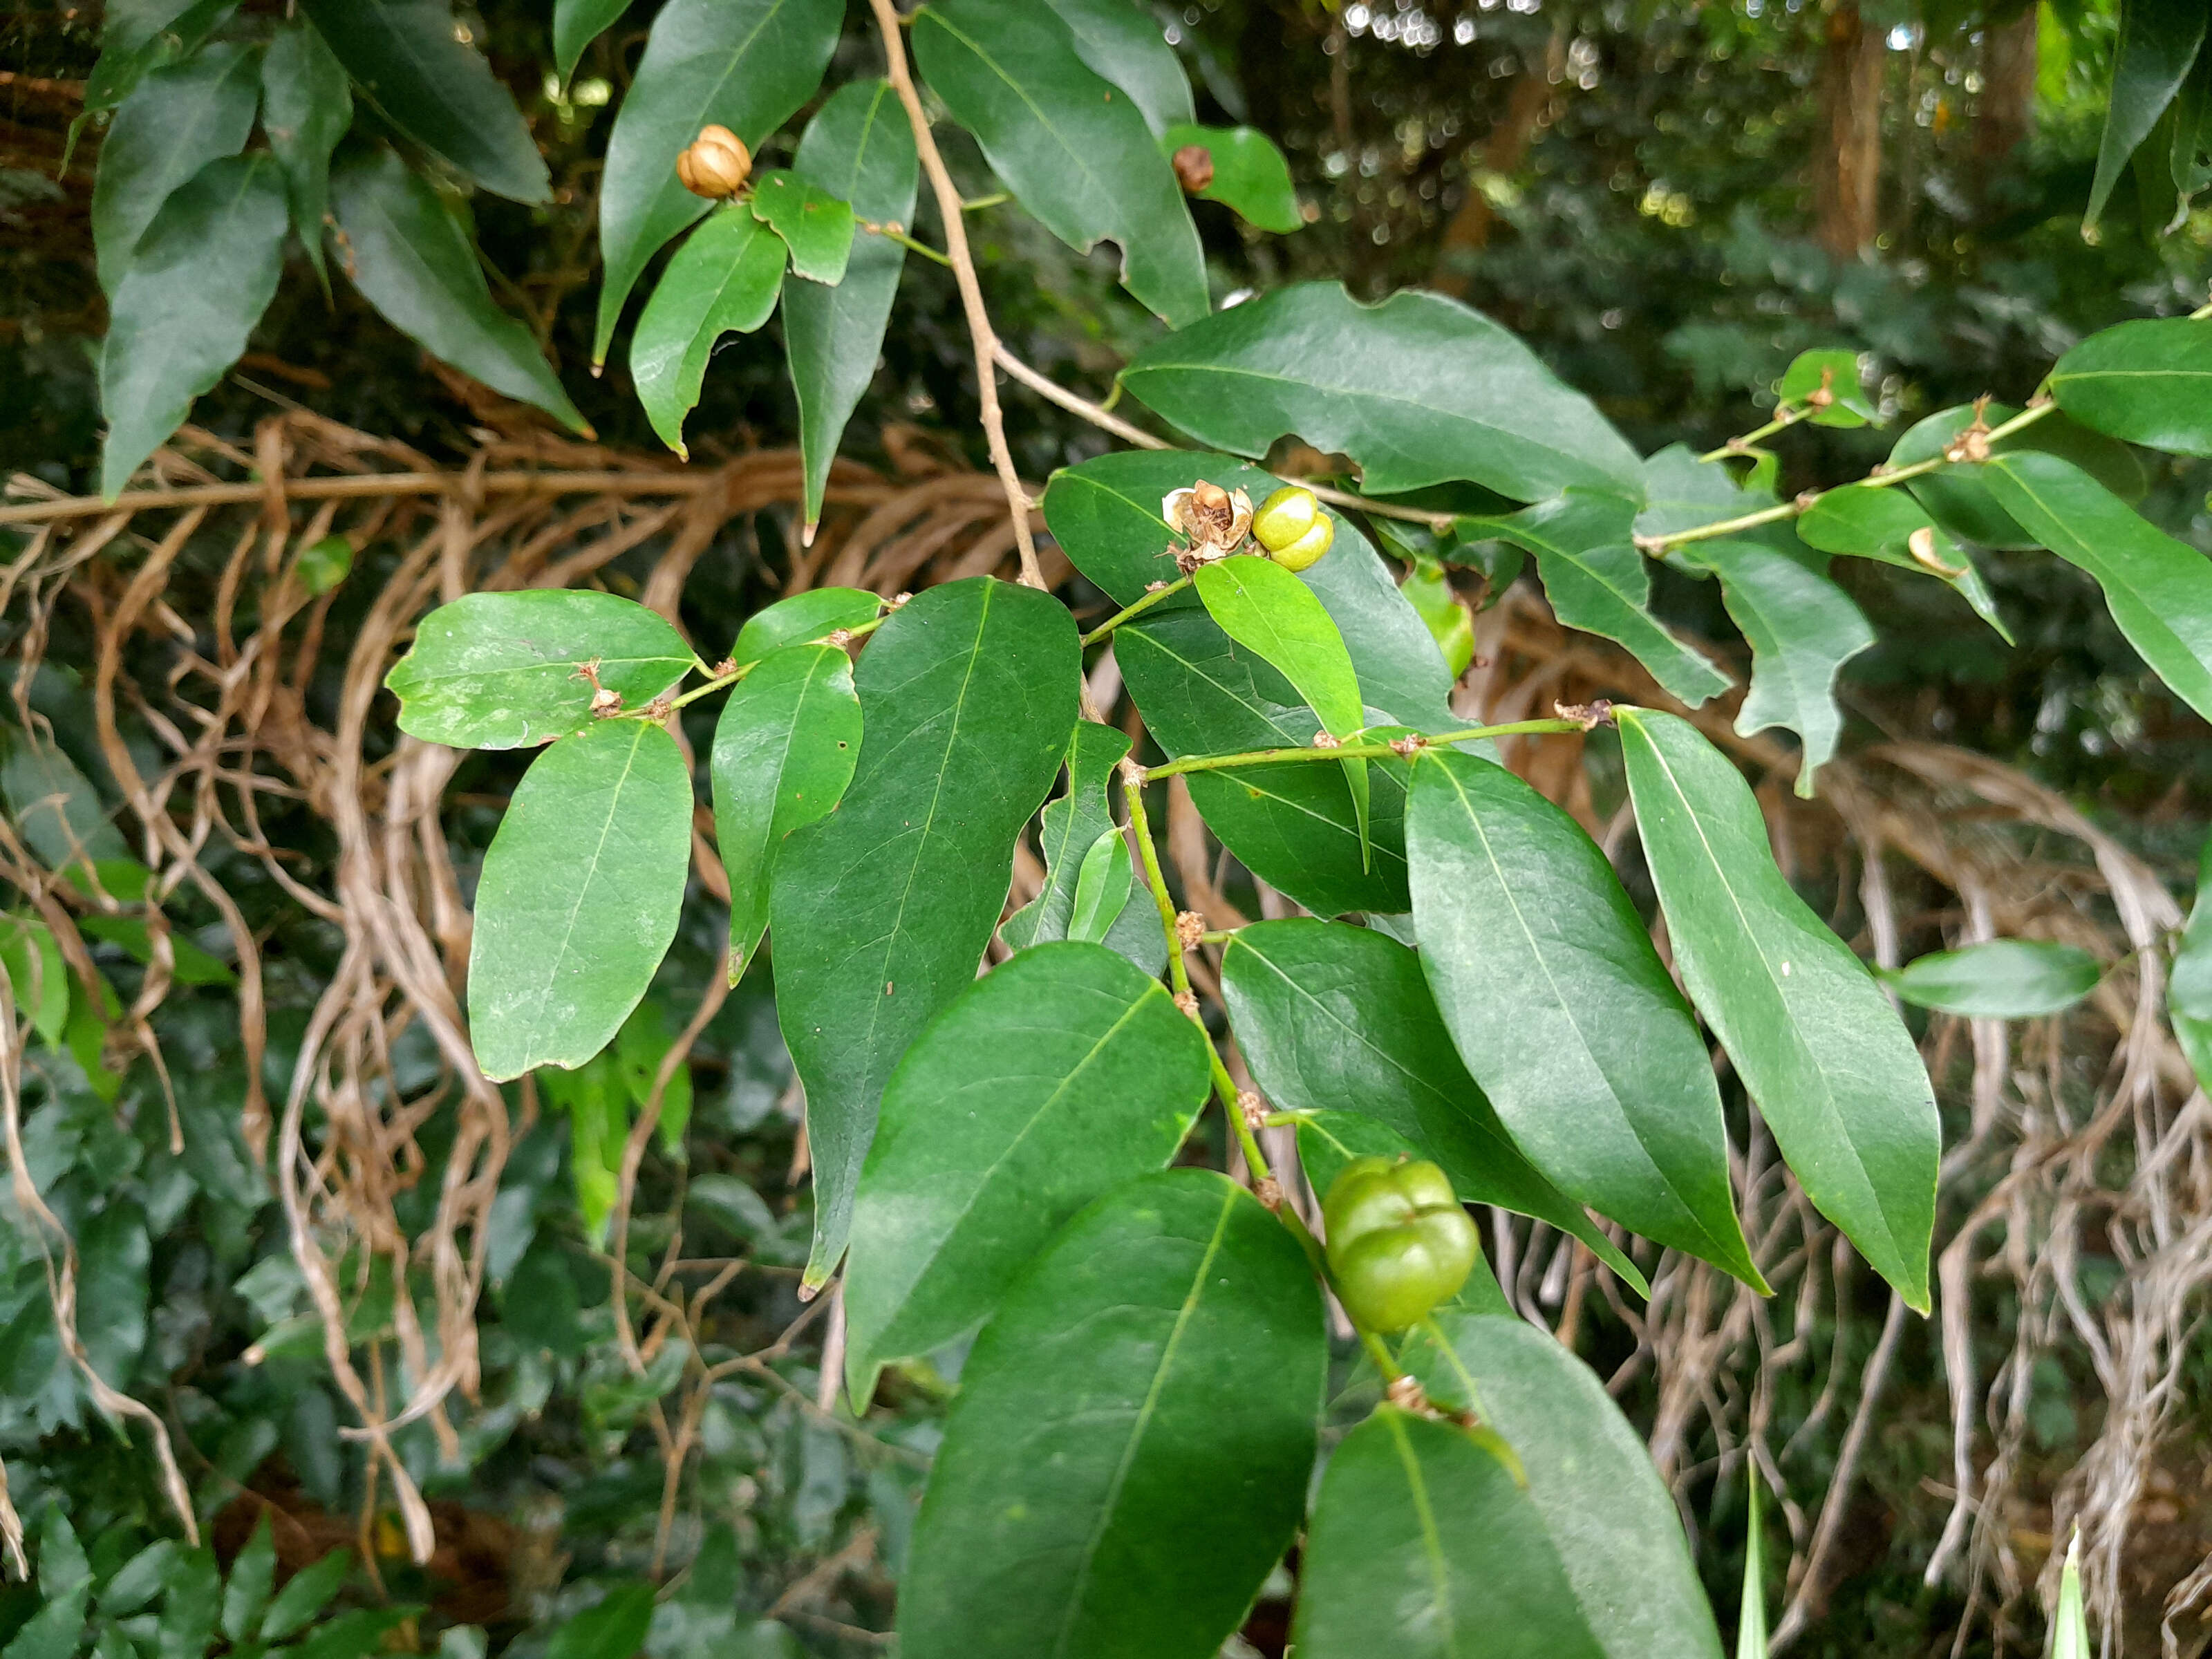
x,y
1398,1243
1292,526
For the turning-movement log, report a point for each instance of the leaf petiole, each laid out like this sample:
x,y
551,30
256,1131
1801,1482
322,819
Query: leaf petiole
x,y
1358,750
1152,598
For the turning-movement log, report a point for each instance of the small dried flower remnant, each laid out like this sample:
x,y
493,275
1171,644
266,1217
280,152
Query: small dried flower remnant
x,y
717,164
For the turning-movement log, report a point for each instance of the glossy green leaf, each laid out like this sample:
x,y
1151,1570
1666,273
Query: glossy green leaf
x,y
1871,523
306,108
38,979
1249,174
815,225
1067,829
1959,495
1751,1634
2189,984
1610,1519
1090,1492
882,910
1999,979
858,146
1418,389
1683,492
1819,1047
1053,1079
2159,42
613,1628
812,616
578,898
1101,888
1837,373
2158,590
1596,579
1335,1018
744,65
1122,41
723,280
246,1594
1801,628
502,670
135,40
190,295
413,63
784,750
402,249
306,1594
2148,382
1422,1546
1070,145
1562,1010
576,24
175,122
138,1580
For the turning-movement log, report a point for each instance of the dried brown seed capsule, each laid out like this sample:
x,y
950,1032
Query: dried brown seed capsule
x,y
716,165
1193,167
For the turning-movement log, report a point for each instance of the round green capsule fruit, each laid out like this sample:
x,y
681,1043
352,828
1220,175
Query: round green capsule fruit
x,y
1292,526
1398,1243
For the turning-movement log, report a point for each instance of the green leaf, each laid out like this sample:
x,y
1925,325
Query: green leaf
x,y
2159,42
1816,1043
500,671
1332,1017
1053,1079
186,301
1068,828
784,750
247,1593
612,1627
409,58
176,121
595,1097
36,977
1123,42
191,1608
859,147
576,24
1102,889
744,65
190,965
1999,979
1418,389
1611,1520
2148,382
804,618
112,1290
324,564
882,910
723,280
2070,1622
307,1594
1586,555
55,1630
355,1635
1801,628
306,108
2189,987
815,225
1249,174
1751,1617
1869,522
640,1049
57,811
1836,373
133,39
1422,1546
2158,590
1562,1010
1071,146
1091,1490
137,1581
578,898
402,250
1450,622
1959,497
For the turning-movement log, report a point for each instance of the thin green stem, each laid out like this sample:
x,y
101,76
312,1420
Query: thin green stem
x,y
980,203
1152,598
1788,417
1356,750
859,632
1132,786
893,234
1379,1352
1225,1089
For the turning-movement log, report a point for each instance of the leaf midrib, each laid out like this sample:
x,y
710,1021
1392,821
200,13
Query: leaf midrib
x,y
1432,1548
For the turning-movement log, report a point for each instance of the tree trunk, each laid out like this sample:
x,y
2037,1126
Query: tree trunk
x,y
2007,112
1507,147
1847,183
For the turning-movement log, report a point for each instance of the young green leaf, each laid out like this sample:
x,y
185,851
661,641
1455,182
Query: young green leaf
x,y
305,1594
882,909
1869,522
578,898
177,121
188,297
1422,1546
744,65
1801,628
1596,581
815,225
135,40
37,977
2159,42
1067,829
1124,46
2158,590
404,252
2188,986
2150,382
1821,1051
1832,372
1608,1515
246,1594
2070,1622
1090,1491
1102,889
1329,1015
306,108
723,280
1562,1010
1418,389
1750,1615
1249,174
1074,150
804,617
1999,979
411,62
576,24
1053,1079
505,670
859,147
784,750
1959,495
596,1100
